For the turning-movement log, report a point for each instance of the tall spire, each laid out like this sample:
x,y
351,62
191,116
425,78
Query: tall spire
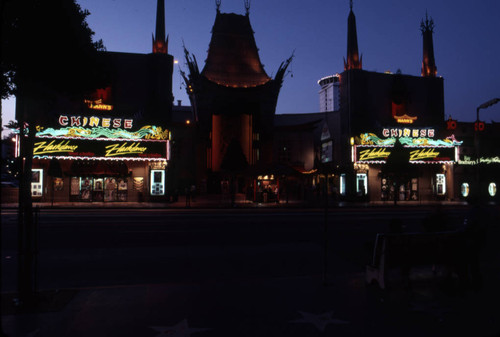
x,y
160,44
247,7
353,59
429,68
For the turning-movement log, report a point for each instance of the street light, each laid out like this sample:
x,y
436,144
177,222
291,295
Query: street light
x,y
486,105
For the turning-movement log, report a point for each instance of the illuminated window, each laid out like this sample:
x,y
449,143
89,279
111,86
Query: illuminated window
x,y
36,182
492,189
361,184
342,184
465,190
440,184
157,181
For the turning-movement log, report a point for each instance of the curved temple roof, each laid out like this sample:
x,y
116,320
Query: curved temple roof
x,y
233,58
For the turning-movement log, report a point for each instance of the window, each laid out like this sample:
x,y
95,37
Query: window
x,y
492,189
361,184
440,184
157,181
36,182
342,184
465,190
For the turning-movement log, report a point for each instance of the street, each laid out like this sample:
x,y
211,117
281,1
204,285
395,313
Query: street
x,y
84,248
205,273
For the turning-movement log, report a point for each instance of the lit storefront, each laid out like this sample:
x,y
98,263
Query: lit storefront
x,y
266,189
100,163
434,159
477,171
113,144
478,178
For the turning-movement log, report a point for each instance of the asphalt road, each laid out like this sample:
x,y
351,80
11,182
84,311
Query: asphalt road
x,y
91,248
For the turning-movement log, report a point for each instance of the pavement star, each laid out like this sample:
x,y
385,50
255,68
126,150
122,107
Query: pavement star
x,y
32,333
181,329
319,321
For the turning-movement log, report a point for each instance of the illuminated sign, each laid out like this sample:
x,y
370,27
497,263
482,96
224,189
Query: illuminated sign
x,y
407,132
405,119
489,160
420,155
100,149
423,154
479,126
375,153
400,114
451,124
54,146
118,149
98,105
93,121
149,132
407,139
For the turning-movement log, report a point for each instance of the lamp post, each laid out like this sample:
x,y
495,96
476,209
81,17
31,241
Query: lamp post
x,y
476,138
486,105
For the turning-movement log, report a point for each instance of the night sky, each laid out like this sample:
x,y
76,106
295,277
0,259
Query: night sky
x,y
466,42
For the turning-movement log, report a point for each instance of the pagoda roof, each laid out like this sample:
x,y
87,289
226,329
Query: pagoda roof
x,y
233,58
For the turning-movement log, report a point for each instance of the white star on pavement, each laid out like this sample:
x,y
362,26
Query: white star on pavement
x,y
181,329
319,321
33,333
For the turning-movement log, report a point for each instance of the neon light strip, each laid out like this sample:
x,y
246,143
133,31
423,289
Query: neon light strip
x,y
409,146
149,132
372,139
411,162
99,158
106,139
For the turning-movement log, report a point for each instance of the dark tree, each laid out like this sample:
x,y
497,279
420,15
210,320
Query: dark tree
x,y
47,46
46,50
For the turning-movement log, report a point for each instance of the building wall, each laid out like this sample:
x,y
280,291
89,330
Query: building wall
x,y
226,128
368,97
329,94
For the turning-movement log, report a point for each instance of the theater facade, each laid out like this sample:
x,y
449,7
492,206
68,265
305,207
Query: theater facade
x,y
113,145
381,113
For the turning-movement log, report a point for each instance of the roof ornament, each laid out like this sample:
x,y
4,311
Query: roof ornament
x,y
247,6
427,25
350,4
217,5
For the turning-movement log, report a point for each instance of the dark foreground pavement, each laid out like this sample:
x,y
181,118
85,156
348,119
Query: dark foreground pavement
x,y
271,306
299,306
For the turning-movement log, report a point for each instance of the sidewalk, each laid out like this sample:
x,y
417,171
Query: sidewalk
x,y
218,201
274,307
299,306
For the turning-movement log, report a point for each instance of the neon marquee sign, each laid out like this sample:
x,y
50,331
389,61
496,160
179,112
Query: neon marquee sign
x,y
149,132
114,150
422,155
405,119
98,105
100,149
374,154
94,121
488,160
406,132
407,139
42,148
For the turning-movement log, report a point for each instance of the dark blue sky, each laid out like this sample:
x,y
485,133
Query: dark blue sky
x,y
466,41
